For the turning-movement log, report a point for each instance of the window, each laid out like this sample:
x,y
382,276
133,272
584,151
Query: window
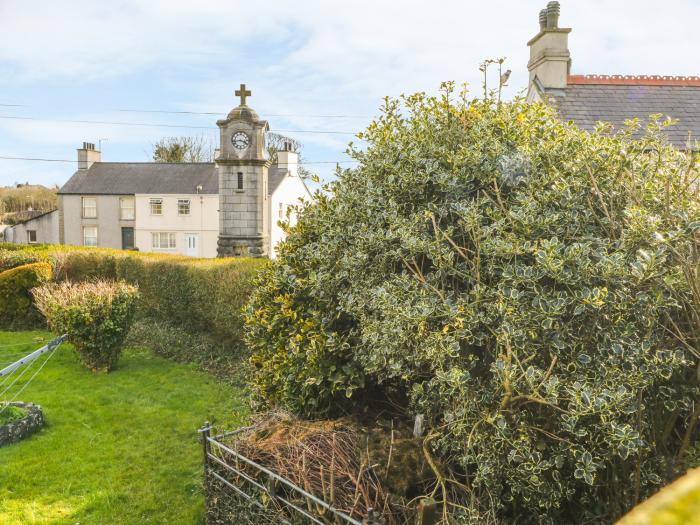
x,y
281,210
183,206
163,240
89,207
126,208
90,236
240,180
156,206
31,236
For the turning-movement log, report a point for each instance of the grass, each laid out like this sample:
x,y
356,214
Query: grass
x,y
117,448
10,414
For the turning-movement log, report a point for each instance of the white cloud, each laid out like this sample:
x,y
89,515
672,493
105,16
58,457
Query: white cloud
x,y
312,56
366,45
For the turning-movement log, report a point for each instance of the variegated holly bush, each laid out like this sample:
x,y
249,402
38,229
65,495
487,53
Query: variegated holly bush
x,y
529,287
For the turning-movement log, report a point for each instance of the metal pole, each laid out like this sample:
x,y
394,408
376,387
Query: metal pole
x,y
34,355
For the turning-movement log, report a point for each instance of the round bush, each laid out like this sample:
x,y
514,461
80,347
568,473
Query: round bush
x,y
530,288
95,315
16,307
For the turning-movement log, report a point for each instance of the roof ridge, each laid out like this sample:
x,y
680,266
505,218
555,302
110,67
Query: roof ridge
x,y
640,80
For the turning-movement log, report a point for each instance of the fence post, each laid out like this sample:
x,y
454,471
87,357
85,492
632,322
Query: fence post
x,y
427,512
205,431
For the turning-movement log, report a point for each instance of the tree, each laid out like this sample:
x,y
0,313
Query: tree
x,y
529,287
183,149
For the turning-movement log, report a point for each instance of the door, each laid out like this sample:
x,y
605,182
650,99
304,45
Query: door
x,y
127,238
192,244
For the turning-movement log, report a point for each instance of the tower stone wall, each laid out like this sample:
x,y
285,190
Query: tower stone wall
x,y
242,167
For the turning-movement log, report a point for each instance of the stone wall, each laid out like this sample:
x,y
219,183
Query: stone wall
x,y
22,428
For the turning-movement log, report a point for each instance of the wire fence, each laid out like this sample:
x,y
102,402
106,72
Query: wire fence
x,y
274,497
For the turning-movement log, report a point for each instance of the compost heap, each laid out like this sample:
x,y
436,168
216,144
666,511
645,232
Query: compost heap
x,y
351,466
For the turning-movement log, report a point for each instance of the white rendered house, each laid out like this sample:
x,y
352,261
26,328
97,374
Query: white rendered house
x,y
228,207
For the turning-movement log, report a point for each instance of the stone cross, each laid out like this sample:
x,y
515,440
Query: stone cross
x,y
243,93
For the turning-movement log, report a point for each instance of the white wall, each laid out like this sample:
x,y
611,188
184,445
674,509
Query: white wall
x,y
108,221
203,220
45,226
288,193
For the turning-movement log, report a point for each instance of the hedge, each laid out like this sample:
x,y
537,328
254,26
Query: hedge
x,y
197,295
16,306
13,258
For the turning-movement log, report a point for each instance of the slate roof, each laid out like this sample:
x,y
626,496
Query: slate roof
x,y
129,178
616,99
33,217
275,178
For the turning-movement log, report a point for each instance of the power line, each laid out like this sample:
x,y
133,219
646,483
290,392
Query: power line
x,y
36,159
219,113
156,125
214,113
73,161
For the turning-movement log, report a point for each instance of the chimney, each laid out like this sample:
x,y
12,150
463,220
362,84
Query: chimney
x,y
550,60
288,159
88,155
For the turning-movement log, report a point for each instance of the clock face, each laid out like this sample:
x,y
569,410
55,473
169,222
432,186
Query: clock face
x,y
240,140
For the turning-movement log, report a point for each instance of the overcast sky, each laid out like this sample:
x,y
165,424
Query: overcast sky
x,y
313,65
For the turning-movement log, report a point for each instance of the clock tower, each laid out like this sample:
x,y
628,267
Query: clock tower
x,y
242,168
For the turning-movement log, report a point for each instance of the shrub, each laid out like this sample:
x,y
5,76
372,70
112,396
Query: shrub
x,y
198,295
16,306
95,315
221,359
526,286
83,265
12,258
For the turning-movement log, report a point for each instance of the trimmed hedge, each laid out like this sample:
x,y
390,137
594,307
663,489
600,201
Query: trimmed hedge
x,y
197,295
16,305
13,258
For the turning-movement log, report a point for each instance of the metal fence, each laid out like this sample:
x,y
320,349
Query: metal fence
x,y
281,499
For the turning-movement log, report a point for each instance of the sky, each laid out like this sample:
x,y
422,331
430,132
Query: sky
x,y
318,69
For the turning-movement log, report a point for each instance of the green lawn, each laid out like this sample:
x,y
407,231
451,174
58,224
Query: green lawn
x,y
117,448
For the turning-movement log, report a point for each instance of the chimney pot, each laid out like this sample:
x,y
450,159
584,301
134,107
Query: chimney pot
x,y
87,156
543,19
552,15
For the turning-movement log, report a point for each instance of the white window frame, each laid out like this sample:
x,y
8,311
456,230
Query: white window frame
x,y
123,209
156,202
85,237
183,202
93,214
29,236
158,238
281,211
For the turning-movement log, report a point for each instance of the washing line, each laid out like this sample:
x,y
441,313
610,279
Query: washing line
x,y
25,385
34,355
